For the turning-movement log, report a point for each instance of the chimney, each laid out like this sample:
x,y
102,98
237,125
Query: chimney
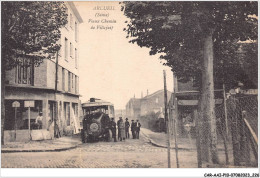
x,y
134,95
147,93
142,95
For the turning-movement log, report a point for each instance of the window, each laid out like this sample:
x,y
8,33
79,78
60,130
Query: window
x,y
71,50
67,12
25,72
63,79
67,112
156,100
71,21
72,80
66,49
69,81
75,109
76,58
76,31
76,84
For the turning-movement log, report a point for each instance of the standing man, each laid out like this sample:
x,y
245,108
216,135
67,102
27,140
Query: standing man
x,y
133,129
113,128
121,126
38,120
118,129
127,125
138,126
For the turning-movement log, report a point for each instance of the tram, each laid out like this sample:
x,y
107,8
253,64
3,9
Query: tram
x,y
96,122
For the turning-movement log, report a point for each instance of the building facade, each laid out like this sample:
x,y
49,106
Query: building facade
x,y
137,107
183,105
133,108
59,106
154,102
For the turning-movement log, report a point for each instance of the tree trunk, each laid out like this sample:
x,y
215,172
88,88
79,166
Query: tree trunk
x,y
3,69
207,103
2,100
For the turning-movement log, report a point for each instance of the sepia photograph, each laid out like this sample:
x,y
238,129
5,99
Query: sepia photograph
x,y
130,84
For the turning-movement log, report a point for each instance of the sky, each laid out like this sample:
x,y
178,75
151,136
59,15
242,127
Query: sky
x,y
110,67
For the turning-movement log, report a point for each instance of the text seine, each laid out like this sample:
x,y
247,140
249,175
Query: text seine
x,y
102,21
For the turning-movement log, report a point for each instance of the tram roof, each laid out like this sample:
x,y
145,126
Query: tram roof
x,y
98,102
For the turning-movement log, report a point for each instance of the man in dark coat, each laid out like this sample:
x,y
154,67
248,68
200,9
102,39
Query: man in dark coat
x,y
118,129
113,128
138,126
127,125
133,129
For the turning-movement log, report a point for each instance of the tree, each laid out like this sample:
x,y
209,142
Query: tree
x,y
193,37
30,30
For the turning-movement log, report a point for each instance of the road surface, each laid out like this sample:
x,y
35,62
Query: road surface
x,y
132,153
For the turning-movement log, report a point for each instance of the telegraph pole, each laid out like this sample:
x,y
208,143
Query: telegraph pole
x,y
225,109
167,121
175,103
55,119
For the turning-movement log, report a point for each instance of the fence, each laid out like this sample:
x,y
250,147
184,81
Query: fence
x,y
236,126
237,129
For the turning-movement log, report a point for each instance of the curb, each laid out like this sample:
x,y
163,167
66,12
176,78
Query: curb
x,y
52,150
162,146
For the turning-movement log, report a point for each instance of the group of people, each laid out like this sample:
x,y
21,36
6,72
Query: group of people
x,y
123,129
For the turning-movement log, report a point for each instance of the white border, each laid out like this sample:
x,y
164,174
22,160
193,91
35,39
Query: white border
x,y
121,172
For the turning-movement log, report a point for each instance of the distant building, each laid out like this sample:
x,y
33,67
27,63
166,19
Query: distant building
x,y
120,113
137,107
153,102
133,108
37,84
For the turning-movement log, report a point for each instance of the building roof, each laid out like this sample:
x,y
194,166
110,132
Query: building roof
x,y
75,11
155,93
136,102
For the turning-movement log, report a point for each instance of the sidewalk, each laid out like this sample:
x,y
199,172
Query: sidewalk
x,y
57,144
160,139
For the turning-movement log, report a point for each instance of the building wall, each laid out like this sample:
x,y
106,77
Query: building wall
x,y
133,108
137,107
44,77
51,74
69,33
39,77
40,74
153,103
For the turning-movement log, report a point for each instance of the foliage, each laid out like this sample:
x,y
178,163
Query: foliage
x,y
176,29
237,65
31,29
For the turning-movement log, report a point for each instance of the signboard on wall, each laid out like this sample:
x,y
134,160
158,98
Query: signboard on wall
x,y
29,104
15,104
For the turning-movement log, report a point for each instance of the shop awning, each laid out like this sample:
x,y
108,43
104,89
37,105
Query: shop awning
x,y
195,102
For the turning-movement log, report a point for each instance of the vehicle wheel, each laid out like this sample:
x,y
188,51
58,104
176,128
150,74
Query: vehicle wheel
x,y
109,136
